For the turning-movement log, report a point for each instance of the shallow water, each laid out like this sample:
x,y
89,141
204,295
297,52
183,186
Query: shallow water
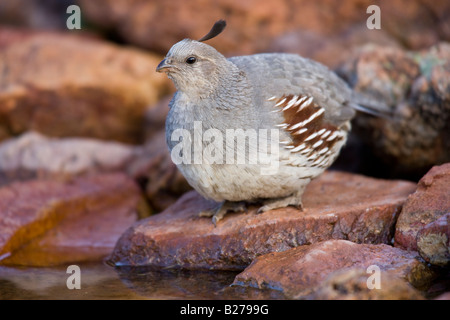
x,y
100,281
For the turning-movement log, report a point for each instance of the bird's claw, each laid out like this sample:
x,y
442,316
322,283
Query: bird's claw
x,y
271,204
221,210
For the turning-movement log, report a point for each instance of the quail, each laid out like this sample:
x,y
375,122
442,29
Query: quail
x,y
307,107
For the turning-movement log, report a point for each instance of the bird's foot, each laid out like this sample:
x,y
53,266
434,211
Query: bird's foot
x,y
294,200
221,210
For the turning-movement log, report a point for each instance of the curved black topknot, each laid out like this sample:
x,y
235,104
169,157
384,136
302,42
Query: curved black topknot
x,y
215,30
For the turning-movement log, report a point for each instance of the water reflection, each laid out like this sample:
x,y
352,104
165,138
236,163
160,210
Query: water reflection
x,y
186,284
100,281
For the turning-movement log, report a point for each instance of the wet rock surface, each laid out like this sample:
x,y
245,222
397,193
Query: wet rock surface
x,y
337,206
50,222
298,271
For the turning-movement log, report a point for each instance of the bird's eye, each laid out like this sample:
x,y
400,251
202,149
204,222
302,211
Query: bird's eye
x,y
191,60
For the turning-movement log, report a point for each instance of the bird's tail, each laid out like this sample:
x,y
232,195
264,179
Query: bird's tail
x,y
369,105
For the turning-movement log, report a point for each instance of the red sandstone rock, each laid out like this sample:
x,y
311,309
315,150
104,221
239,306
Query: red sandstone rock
x,y
64,85
298,271
337,206
430,202
50,222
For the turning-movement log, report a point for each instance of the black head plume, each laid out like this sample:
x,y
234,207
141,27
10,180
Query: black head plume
x,y
215,30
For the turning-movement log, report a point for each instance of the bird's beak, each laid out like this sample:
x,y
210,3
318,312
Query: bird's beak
x,y
163,66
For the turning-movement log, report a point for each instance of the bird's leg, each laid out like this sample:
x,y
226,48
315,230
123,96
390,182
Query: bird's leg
x,y
294,200
217,213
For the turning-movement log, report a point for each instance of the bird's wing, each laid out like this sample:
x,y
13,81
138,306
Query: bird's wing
x,y
310,137
303,98
281,75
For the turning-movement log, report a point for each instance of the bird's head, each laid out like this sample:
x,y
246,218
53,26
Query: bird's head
x,y
195,67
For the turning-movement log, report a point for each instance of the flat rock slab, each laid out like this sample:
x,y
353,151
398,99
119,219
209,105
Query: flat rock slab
x,y
298,271
337,206
51,222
